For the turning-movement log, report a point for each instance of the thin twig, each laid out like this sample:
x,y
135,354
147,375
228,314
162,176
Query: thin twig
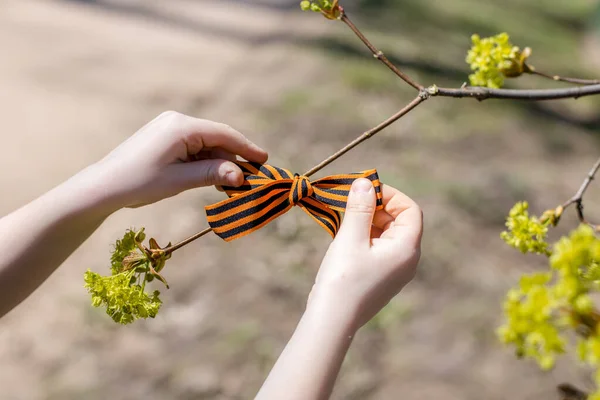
x,y
378,54
577,199
591,87
558,78
179,245
482,93
371,132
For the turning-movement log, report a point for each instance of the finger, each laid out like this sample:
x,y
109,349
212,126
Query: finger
x,y
222,154
201,133
225,155
376,232
211,154
204,173
358,217
407,227
394,201
382,219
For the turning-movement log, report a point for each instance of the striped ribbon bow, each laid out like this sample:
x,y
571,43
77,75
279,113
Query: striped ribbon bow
x,y
269,191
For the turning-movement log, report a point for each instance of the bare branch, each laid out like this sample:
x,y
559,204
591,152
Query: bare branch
x,y
591,87
368,134
558,78
482,93
577,199
378,54
179,245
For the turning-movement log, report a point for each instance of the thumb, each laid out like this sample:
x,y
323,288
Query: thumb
x,y
360,209
205,173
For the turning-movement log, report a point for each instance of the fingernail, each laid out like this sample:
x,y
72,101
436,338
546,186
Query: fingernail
x,y
231,176
362,185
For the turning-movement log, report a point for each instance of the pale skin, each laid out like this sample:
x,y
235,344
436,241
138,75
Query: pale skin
x,y
372,258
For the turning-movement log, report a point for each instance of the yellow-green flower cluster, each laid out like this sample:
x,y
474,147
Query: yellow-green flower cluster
x,y
328,8
531,324
525,233
546,305
123,247
577,256
122,293
125,302
493,58
316,6
588,350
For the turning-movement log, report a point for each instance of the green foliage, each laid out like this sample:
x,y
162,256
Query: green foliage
x,y
328,8
316,6
547,306
494,58
526,233
124,301
122,292
123,247
531,320
577,256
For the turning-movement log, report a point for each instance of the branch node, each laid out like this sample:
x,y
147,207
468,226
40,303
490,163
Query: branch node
x,y
426,93
378,55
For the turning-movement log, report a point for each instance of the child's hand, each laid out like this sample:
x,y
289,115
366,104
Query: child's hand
x,y
374,255
173,153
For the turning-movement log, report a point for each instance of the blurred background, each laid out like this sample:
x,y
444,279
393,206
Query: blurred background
x,y
77,77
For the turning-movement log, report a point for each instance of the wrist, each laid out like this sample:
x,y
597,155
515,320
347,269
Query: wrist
x,y
92,191
326,309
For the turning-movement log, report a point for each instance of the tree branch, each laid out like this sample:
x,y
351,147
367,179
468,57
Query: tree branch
x,y
368,134
176,246
482,93
591,87
378,54
558,78
577,199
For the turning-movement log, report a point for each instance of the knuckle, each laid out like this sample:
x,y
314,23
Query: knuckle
x,y
226,128
419,211
360,208
170,114
336,246
229,130
211,174
171,120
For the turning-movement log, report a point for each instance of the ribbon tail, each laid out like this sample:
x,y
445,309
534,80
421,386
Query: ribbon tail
x,y
333,190
247,212
328,218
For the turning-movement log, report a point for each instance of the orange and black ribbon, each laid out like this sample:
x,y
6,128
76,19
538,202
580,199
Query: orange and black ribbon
x,y
269,191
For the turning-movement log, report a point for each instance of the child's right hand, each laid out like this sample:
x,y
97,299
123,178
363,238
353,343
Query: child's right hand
x,y
374,255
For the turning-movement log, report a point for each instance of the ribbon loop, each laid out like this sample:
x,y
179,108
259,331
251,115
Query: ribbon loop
x,y
269,191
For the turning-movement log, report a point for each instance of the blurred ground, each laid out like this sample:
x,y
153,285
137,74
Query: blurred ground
x,y
78,77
